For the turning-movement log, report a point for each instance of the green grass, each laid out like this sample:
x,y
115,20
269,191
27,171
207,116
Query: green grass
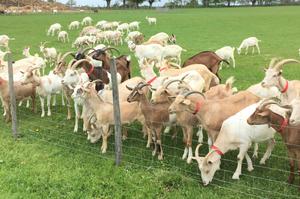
x,y
50,161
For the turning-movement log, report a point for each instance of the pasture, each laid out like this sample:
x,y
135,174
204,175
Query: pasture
x,y
50,161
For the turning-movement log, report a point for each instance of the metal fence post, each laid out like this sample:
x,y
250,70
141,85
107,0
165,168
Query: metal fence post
x,y
117,116
13,106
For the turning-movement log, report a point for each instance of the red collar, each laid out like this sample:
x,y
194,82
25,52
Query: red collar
x,y
197,109
284,124
90,71
152,80
286,87
163,68
217,150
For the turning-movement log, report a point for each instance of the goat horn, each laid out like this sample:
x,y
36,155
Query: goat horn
x,y
197,151
278,66
65,55
185,85
129,88
174,64
184,77
192,92
97,80
170,82
269,101
111,48
58,57
34,68
71,63
273,62
79,62
86,49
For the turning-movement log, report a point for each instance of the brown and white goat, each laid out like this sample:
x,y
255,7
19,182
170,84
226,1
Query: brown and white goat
x,y
208,58
268,113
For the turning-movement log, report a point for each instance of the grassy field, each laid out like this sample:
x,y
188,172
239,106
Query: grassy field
x,y
50,161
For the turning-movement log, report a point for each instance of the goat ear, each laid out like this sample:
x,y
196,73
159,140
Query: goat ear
x,y
263,114
265,69
187,102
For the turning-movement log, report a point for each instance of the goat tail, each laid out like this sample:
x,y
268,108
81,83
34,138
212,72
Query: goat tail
x,y
12,38
184,50
259,41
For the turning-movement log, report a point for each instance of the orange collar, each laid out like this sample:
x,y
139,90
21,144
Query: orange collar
x,y
284,124
152,80
197,109
217,150
286,87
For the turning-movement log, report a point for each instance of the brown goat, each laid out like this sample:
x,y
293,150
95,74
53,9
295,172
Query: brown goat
x,y
208,58
290,134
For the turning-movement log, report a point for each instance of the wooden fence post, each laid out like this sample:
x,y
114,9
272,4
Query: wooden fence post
x,y
117,116
13,106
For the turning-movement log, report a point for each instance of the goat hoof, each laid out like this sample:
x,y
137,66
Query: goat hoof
x,y
189,160
153,153
250,168
255,156
160,157
236,176
124,137
262,162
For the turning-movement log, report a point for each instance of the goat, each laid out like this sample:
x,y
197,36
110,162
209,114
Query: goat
x,y
123,27
63,36
208,58
295,115
187,120
276,116
21,92
209,78
45,87
226,53
273,77
74,25
143,52
161,38
151,20
102,117
4,41
50,54
249,42
100,24
235,133
86,21
173,52
134,36
53,29
135,25
156,115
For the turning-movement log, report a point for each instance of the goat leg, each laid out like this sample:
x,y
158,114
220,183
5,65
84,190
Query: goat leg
x,y
249,163
271,144
240,158
292,169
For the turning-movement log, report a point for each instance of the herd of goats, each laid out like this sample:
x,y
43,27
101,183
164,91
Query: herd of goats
x,y
189,95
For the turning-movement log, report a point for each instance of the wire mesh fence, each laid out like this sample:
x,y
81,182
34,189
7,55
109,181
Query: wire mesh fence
x,y
265,181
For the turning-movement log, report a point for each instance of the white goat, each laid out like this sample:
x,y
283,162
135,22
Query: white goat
x,y
152,52
235,133
45,86
226,53
84,40
4,40
100,24
173,52
74,25
63,36
54,28
132,35
123,27
135,25
49,54
151,20
86,21
249,42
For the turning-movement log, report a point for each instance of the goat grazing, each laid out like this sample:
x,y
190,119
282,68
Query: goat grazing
x,y
74,25
4,41
249,42
63,36
226,53
86,21
151,20
53,29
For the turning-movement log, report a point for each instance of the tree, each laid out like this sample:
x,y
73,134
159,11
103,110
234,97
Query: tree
x,y
108,3
151,2
136,2
71,3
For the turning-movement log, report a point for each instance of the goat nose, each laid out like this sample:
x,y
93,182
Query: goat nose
x,y
263,83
